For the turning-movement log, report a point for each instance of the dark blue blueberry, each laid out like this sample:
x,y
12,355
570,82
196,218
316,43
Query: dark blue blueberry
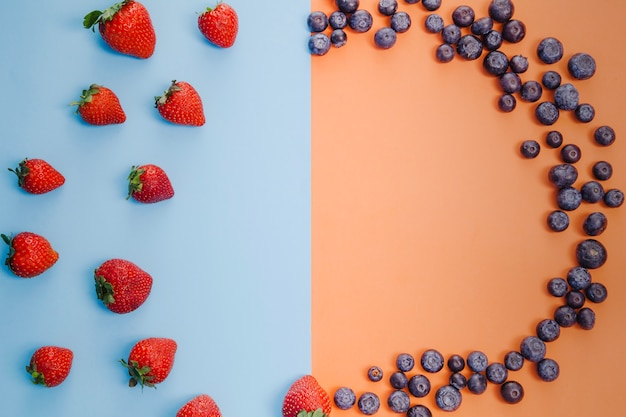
x,y
398,380
510,82
592,191
456,363
602,170
596,292
385,38
548,330
387,7
399,401
566,97
501,10
368,403
432,360
595,223
419,411
338,38
581,66
451,34
531,91
463,16
507,102
578,278
585,112
497,63
513,361
530,148
550,50
551,80
563,175
604,135
554,139
565,316
568,198
317,21
512,392
558,221
419,385
591,254
482,25
575,299
469,47
496,373
431,5
344,398
434,23
557,287
513,31
405,362
338,20
533,349
458,380
614,198
360,21
570,154
375,373
477,361
477,383
400,22
492,40
586,318
548,369
518,64
347,6
411,1
547,113
448,398
445,53
319,44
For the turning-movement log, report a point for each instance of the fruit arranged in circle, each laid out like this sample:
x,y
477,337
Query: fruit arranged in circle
x,y
150,361
181,104
306,396
220,25
149,184
50,365
121,285
29,254
200,406
100,106
37,176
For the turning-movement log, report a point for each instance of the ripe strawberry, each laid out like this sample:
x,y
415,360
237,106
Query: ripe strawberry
x,y
200,406
181,104
50,365
306,396
36,176
29,254
149,184
121,285
219,25
100,106
126,27
150,361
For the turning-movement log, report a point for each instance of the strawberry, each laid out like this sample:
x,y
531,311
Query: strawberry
x,y
126,27
150,361
29,254
181,104
200,406
50,365
149,184
219,25
306,397
37,176
121,285
100,106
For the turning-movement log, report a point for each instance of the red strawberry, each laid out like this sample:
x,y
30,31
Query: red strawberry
x,y
181,104
29,254
200,406
100,106
150,361
50,365
126,27
219,25
149,184
306,395
121,285
36,176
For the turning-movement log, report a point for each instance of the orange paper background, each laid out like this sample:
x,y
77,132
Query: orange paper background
x,y
429,228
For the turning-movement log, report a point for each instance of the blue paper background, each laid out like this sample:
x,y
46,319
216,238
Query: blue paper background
x,y
229,254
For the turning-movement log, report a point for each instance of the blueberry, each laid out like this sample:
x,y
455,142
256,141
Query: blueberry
x,y
602,170
518,64
566,97
451,34
434,23
507,102
568,198
565,316
319,44
548,369
578,278
338,38
445,53
385,38
563,175
398,380
469,47
558,221
533,349
492,40
586,318
432,361
547,113
375,374
604,135
456,363
591,254
317,21
550,50
399,401
360,21
368,403
513,31
548,330
338,20
411,1
596,292
530,148
501,10
463,16
431,5
531,91
513,361
614,198
496,373
510,82
595,223
581,66
400,22
496,63
554,139
387,7
512,392
448,398
405,362
419,411
419,385
482,25
557,287
347,6
584,112
477,383
551,80
344,398
592,191
570,154
477,361
458,380
575,299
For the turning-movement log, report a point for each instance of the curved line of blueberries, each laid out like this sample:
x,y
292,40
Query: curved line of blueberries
x,y
468,37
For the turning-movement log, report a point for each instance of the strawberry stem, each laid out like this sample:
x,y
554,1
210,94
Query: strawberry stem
x,y
21,171
134,183
97,16
138,375
86,96
104,290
